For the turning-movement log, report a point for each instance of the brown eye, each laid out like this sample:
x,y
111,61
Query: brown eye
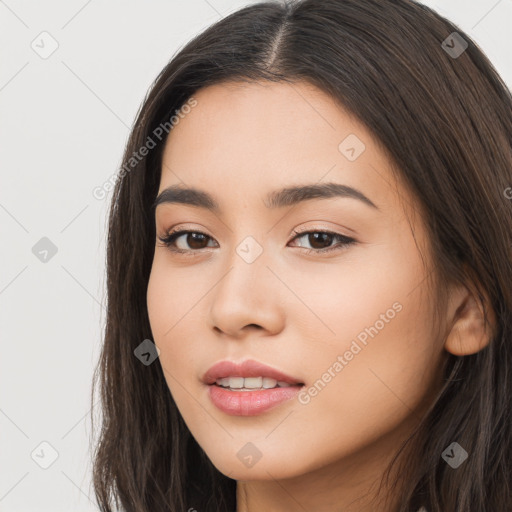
x,y
193,241
320,241
196,240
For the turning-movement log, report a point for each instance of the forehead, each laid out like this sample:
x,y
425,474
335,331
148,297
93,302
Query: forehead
x,y
262,136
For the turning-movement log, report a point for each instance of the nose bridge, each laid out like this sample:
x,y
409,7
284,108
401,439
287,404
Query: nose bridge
x,y
250,249
248,275
245,294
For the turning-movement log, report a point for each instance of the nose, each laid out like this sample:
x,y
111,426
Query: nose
x,y
246,298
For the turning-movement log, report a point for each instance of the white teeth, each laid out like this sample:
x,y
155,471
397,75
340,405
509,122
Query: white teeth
x,y
236,382
251,383
223,382
269,383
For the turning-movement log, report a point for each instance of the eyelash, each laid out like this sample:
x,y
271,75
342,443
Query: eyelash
x,y
171,237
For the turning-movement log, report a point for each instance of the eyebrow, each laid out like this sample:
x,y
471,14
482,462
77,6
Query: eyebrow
x,y
276,199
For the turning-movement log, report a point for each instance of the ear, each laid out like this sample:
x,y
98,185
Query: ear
x,y
468,333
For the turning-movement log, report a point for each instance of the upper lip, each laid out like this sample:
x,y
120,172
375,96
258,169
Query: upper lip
x,y
248,368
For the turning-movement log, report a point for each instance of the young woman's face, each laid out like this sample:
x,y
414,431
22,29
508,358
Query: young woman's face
x,y
352,322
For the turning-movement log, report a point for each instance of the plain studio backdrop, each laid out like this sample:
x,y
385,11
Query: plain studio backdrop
x,y
73,75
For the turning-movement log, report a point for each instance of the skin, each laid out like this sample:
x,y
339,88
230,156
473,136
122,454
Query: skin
x,y
295,311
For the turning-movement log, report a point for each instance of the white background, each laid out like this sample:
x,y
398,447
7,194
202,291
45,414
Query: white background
x,y
64,124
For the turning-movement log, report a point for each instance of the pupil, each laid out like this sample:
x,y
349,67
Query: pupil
x,y
195,238
323,236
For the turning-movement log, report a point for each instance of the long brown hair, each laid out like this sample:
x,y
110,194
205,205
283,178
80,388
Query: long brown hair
x,y
442,113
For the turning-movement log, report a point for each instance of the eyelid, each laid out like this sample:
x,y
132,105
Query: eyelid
x,y
187,226
295,231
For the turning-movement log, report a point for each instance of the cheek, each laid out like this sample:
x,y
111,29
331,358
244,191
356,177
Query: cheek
x,y
381,387
173,302
373,331
340,300
165,308
358,394
171,297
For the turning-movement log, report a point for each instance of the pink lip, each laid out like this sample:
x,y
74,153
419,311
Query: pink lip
x,y
248,368
248,403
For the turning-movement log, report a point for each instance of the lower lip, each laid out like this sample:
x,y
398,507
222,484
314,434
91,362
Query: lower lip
x,y
250,403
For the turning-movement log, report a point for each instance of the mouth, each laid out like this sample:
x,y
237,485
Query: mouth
x,y
249,388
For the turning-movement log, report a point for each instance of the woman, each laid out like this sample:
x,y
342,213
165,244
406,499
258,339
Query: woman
x,y
309,271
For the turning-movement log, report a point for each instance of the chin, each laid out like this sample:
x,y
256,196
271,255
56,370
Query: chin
x,y
265,468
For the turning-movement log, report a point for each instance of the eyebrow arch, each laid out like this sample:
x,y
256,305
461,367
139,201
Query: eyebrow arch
x,y
276,199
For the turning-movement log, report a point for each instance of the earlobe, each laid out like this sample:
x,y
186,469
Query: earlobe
x,y
469,333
